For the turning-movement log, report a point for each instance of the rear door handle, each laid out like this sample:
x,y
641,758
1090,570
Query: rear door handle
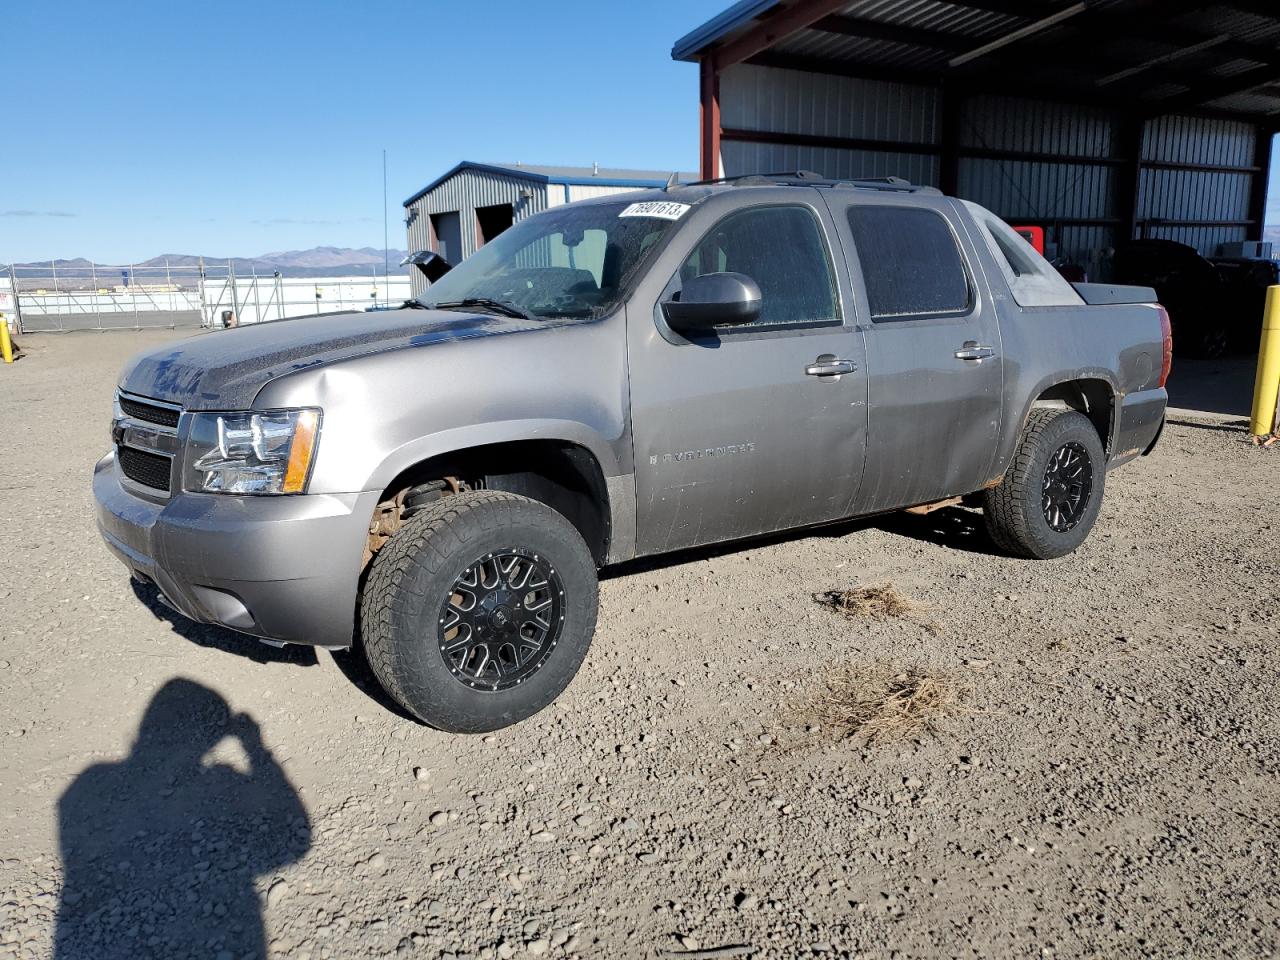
x,y
828,366
973,350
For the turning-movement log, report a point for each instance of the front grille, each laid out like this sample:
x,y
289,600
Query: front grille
x,y
149,412
149,469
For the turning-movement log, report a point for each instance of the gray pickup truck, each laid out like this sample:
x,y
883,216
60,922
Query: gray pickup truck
x,y
613,379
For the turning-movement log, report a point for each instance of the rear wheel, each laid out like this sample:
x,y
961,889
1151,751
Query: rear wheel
x,y
1050,497
478,612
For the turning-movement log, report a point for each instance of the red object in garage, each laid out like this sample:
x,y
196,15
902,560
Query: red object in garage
x,y
1033,236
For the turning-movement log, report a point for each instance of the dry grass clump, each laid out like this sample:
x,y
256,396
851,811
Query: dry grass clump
x,y
879,703
876,603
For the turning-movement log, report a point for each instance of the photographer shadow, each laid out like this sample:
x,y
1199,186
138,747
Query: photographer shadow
x,y
161,850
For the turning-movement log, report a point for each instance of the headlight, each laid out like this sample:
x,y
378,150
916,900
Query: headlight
x,y
250,452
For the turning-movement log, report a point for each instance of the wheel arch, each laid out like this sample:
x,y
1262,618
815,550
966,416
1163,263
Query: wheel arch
x,y
562,473
459,439
1095,397
1090,391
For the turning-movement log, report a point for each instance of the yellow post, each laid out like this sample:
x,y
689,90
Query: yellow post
x,y
6,346
1267,384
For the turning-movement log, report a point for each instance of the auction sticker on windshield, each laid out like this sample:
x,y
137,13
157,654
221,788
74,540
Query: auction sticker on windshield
x,y
662,209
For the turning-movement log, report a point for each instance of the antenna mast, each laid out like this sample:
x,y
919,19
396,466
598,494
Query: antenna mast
x,y
386,257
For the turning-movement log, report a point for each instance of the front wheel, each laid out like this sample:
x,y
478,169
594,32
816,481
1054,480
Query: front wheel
x,y
479,611
1049,499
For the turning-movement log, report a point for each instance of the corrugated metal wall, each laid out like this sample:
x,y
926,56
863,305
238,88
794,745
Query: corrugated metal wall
x,y
1039,191
1197,194
1081,195
465,192
1199,140
770,158
788,101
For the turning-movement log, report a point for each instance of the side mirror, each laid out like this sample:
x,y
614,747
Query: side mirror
x,y
712,300
432,265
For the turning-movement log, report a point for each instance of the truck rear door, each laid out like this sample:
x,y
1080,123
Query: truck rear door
x,y
933,346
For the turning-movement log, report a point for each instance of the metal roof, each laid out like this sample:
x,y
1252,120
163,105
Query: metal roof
x,y
1150,56
575,176
742,13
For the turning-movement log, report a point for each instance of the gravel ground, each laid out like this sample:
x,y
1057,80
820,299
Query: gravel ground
x,y
1111,787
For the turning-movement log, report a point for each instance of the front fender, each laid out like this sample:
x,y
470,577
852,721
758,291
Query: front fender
x,y
385,413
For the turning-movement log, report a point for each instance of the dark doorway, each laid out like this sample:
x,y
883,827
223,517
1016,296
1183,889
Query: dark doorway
x,y
447,229
491,221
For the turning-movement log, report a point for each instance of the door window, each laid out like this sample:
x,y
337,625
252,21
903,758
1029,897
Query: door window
x,y
783,251
911,264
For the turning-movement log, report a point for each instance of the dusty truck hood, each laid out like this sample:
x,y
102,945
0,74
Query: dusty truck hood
x,y
225,369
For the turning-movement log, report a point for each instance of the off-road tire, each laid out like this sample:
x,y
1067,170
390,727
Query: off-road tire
x,y
415,572
1014,509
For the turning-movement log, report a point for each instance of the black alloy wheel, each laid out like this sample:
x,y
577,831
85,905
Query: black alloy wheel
x,y
502,619
1068,482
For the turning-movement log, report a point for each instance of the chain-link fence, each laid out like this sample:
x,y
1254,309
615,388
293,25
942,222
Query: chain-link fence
x,y
90,296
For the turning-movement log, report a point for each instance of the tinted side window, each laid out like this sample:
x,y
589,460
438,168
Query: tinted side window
x,y
781,249
910,262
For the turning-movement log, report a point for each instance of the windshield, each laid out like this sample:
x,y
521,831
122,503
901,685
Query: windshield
x,y
573,261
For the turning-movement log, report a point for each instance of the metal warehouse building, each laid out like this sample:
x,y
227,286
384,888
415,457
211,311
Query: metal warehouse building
x,y
1100,121
457,213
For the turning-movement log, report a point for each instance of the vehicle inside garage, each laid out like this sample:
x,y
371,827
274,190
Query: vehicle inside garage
x,y
1136,134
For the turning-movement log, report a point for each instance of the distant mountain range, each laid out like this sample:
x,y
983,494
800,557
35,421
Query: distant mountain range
x,y
316,262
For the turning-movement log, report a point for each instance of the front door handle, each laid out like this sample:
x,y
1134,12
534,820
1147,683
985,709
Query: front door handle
x,y
973,350
828,366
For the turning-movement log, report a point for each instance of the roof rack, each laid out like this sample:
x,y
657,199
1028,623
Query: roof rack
x,y
807,178
748,179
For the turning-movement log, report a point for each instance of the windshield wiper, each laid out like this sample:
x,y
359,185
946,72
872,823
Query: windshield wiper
x,y
504,307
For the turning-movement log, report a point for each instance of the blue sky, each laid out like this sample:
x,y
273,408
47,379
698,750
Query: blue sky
x,y
132,130
242,128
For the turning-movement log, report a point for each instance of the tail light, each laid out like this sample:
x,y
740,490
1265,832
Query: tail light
x,y
1166,332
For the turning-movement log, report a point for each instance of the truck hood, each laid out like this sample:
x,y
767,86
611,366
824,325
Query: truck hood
x,y
224,370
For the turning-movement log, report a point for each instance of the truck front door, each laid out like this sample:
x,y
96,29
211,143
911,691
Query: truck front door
x,y
754,428
933,351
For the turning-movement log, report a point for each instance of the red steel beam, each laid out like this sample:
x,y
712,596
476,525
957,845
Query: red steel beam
x,y
709,119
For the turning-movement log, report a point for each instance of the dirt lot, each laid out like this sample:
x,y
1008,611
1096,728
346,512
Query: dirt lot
x,y
1108,787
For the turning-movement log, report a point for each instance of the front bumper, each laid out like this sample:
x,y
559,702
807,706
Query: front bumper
x,y
281,568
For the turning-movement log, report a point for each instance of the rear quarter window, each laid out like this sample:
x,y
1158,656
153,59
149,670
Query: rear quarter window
x,y
1032,280
910,262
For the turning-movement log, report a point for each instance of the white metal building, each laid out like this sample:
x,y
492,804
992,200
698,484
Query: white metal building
x,y
459,212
